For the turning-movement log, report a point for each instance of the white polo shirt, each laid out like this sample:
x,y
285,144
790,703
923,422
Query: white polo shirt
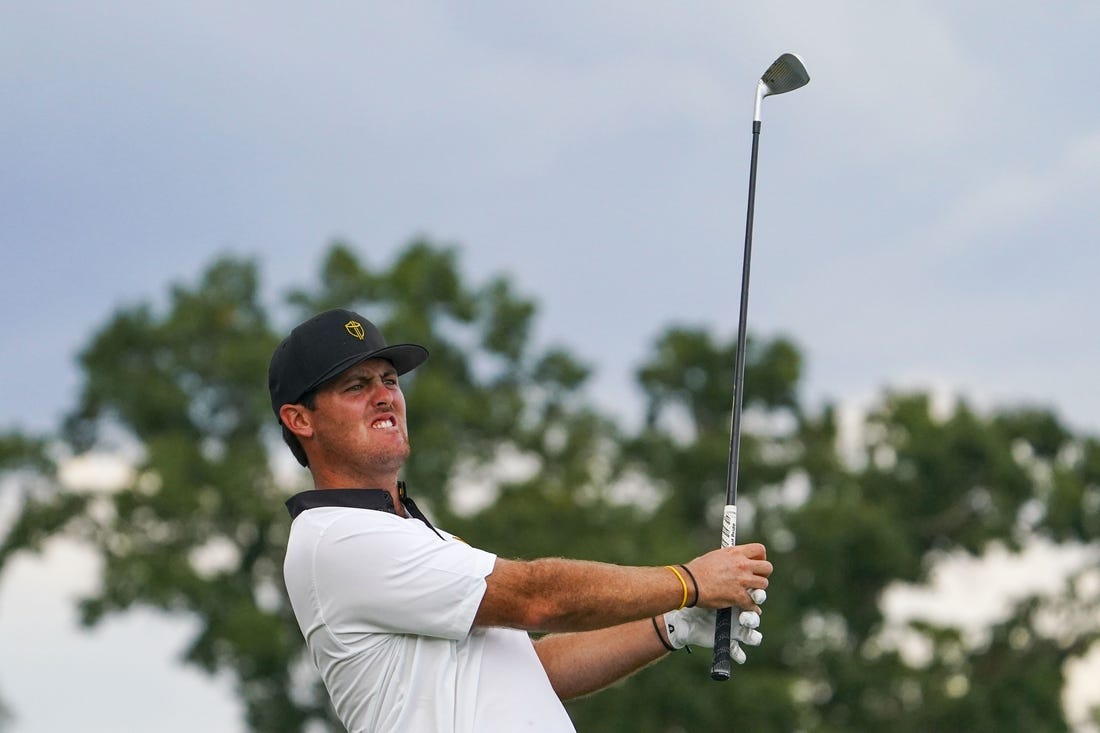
x,y
386,605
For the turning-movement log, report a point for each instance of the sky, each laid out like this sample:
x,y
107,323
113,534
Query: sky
x,y
925,215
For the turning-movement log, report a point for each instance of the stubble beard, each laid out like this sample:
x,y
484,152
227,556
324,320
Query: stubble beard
x,y
387,461
372,464
379,460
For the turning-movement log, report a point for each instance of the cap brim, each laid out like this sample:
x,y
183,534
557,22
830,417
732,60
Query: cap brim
x,y
404,357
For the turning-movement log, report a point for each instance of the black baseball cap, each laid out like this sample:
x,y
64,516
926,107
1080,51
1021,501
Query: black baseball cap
x,y
326,345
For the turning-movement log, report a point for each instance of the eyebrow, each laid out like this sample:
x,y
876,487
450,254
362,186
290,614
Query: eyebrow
x,y
353,376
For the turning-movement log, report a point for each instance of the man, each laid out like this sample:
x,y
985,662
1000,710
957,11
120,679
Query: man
x,y
412,629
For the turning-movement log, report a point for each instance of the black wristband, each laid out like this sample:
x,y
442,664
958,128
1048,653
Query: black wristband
x,y
694,584
657,630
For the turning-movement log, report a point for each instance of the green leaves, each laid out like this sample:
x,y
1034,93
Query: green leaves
x,y
930,482
510,452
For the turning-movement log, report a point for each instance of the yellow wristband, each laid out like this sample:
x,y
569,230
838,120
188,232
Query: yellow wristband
x,y
683,583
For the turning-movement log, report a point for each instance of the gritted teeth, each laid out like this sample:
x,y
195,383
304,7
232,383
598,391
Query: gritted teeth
x,y
386,422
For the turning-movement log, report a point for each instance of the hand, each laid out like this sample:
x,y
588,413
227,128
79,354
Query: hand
x,y
726,577
695,627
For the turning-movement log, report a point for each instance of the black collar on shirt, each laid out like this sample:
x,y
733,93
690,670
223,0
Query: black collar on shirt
x,y
376,499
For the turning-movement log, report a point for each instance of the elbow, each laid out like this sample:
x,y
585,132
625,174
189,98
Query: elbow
x,y
543,604
542,614
528,596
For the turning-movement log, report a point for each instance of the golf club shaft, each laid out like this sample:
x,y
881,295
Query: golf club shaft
x,y
723,627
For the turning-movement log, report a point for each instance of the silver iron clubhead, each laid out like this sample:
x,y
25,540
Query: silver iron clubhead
x,y
786,74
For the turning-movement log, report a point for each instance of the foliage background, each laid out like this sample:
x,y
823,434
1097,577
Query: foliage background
x,y
198,529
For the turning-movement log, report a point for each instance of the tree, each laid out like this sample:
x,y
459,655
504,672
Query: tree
x,y
180,392
510,452
927,486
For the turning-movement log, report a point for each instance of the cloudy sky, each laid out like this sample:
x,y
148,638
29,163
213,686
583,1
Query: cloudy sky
x,y
926,212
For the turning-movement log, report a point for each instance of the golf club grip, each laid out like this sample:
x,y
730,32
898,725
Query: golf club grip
x,y
723,627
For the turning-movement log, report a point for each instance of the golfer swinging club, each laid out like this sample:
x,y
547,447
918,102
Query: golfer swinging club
x,y
415,631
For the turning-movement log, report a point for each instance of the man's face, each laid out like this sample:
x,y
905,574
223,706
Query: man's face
x,y
359,422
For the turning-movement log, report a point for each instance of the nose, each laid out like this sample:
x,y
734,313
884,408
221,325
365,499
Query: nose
x,y
381,396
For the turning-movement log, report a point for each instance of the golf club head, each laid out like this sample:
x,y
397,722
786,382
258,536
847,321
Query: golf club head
x,y
786,74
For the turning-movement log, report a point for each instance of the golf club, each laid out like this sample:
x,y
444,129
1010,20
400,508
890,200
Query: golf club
x,y
786,74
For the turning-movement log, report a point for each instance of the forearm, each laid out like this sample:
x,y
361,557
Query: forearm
x,y
584,662
553,594
571,595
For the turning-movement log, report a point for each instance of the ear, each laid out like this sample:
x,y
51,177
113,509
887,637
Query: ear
x,y
297,420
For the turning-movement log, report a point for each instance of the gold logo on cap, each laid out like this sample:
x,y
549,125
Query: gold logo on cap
x,y
355,328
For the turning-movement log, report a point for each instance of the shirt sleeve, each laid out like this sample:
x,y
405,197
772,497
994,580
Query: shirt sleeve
x,y
380,573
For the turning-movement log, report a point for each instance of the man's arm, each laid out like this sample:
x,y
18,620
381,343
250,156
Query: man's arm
x,y
573,595
582,663
606,611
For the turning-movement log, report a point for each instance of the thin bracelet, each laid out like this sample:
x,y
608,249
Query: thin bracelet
x,y
694,584
683,583
657,630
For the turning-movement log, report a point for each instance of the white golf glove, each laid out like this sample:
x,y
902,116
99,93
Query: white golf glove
x,y
695,627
